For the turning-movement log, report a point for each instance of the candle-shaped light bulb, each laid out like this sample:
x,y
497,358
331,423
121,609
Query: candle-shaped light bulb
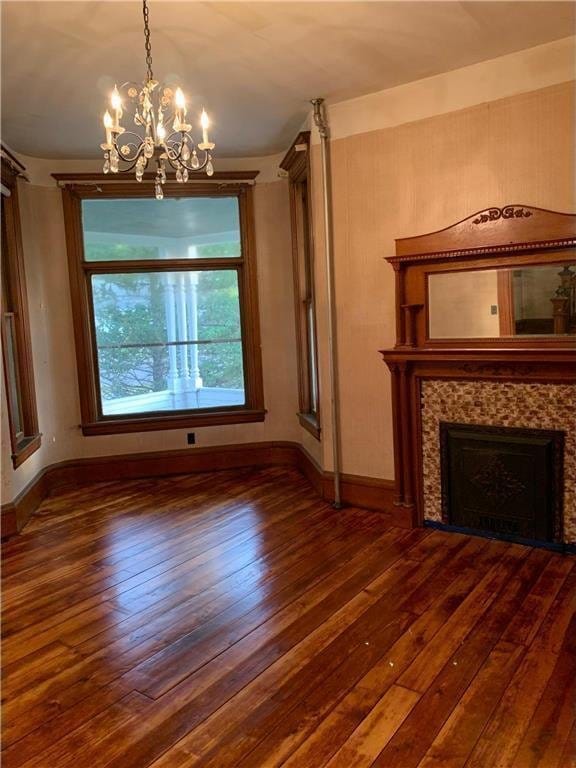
x,y
205,123
179,99
116,102
115,99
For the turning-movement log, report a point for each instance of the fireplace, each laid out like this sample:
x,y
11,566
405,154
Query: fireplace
x,y
484,375
502,481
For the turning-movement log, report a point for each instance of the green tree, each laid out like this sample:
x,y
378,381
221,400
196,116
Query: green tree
x,y
130,315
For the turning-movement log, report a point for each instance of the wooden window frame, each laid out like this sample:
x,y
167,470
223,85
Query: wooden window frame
x,y
14,294
296,163
81,271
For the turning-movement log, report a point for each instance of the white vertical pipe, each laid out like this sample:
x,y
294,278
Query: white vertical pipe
x,y
322,125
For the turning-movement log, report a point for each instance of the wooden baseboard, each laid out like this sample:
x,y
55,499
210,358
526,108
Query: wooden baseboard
x,y
371,493
356,490
16,514
163,463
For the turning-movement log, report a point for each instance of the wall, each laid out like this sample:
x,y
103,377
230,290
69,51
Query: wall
x,y
415,177
53,342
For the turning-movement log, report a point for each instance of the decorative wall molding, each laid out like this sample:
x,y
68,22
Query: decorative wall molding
x,y
371,493
499,370
508,212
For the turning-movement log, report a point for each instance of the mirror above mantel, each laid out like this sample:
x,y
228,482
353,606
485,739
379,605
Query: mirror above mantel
x,y
532,300
501,277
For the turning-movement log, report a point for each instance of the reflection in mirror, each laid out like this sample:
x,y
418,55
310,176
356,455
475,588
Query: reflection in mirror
x,y
491,303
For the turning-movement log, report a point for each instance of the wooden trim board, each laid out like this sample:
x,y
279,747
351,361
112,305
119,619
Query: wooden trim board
x,y
372,493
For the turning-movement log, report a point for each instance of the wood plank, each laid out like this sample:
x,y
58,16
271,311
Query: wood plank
x,y
376,730
547,740
507,729
455,741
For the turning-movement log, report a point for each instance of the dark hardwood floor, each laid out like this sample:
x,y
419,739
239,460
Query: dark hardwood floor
x,y
233,619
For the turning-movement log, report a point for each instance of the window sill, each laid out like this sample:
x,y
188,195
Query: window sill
x,y
114,426
28,446
310,423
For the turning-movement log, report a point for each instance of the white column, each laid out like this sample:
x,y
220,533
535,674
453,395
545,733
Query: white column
x,y
185,382
192,294
170,305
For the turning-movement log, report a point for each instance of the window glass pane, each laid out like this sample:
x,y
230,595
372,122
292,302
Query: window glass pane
x,y
168,341
10,358
312,364
173,228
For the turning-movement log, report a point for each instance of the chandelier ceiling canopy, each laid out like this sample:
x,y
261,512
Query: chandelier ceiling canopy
x,y
161,133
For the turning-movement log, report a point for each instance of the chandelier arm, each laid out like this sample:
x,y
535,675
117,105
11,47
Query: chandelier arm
x,y
177,157
179,164
137,145
175,146
130,167
201,166
131,161
129,84
129,133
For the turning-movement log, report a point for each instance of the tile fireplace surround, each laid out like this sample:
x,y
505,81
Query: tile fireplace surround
x,y
497,403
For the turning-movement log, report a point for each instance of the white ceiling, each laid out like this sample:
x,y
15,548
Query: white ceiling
x,y
254,65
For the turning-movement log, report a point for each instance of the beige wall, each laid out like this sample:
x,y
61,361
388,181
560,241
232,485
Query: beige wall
x,y
408,180
54,355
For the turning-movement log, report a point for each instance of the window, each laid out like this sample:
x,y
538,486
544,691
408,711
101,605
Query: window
x,y
16,349
165,307
297,164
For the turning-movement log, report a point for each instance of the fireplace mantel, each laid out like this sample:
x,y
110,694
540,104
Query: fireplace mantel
x,y
410,367
488,362
510,237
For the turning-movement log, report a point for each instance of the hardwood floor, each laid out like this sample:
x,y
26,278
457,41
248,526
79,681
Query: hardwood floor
x,y
233,619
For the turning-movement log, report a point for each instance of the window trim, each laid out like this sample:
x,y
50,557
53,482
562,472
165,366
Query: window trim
x,y
93,422
297,164
13,256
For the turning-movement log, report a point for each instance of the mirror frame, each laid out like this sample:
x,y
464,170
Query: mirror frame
x,y
511,237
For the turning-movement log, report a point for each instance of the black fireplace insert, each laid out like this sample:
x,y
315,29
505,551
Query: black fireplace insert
x,y
503,481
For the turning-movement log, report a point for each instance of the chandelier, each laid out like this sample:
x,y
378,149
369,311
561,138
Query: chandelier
x,y
161,134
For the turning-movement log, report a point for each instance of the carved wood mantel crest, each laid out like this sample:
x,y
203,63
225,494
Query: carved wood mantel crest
x,y
508,212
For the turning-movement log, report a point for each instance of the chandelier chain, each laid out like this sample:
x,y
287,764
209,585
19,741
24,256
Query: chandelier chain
x,y
147,44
